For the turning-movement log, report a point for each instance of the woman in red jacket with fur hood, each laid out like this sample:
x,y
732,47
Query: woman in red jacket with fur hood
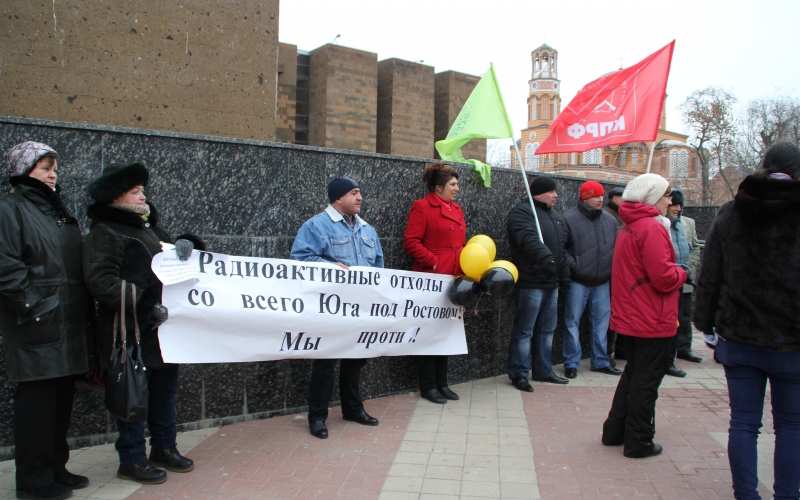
x,y
435,235
645,286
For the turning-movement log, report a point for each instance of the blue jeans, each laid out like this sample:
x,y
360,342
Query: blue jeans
x,y
536,315
163,386
599,300
747,369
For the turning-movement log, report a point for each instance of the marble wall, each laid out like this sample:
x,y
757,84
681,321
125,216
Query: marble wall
x,y
249,198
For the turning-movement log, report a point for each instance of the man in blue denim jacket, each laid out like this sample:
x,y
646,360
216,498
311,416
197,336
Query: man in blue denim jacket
x,y
338,235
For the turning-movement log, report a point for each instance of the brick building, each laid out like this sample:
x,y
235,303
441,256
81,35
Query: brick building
x,y
405,114
217,68
673,158
195,67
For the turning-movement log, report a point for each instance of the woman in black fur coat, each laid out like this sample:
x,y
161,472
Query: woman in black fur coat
x,y
124,236
44,316
749,294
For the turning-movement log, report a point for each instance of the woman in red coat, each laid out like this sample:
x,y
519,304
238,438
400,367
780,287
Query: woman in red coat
x,y
435,235
645,286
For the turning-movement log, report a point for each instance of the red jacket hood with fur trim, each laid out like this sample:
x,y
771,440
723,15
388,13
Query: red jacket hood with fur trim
x,y
645,283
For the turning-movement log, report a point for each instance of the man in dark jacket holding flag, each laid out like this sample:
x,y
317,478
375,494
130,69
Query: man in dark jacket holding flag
x,y
543,268
591,234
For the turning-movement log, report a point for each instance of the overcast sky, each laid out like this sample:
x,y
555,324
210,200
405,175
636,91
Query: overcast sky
x,y
747,47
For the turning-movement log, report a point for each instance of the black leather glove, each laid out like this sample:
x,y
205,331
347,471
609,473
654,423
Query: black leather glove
x,y
563,288
549,270
159,314
184,249
689,277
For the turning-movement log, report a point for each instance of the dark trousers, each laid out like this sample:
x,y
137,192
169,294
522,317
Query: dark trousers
x,y
163,386
42,411
432,372
611,339
321,387
632,417
682,341
685,311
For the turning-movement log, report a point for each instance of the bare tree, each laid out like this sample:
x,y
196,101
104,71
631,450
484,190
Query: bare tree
x,y
498,153
767,121
709,115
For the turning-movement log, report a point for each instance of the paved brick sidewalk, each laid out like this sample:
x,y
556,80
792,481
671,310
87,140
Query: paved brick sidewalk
x,y
496,442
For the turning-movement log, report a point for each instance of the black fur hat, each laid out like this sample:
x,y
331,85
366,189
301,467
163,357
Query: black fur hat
x,y
116,180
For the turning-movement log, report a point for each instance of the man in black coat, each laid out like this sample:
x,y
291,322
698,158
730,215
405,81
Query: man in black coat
x,y
591,234
542,269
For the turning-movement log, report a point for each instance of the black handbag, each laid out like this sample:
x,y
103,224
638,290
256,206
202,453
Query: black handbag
x,y
126,382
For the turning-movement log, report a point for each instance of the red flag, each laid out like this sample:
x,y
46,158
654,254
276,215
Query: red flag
x,y
622,107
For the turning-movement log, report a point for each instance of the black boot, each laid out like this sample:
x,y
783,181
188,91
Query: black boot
x,y
74,481
448,393
142,472
53,491
170,459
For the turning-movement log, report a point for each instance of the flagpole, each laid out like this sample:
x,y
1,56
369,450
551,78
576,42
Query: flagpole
x,y
528,190
519,157
650,158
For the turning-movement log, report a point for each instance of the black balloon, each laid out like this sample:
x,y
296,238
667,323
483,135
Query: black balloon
x,y
464,292
497,282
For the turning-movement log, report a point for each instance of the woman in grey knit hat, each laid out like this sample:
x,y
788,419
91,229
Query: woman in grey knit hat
x,y
44,312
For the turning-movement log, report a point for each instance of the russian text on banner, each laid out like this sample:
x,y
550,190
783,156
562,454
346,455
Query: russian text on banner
x,y
620,107
242,309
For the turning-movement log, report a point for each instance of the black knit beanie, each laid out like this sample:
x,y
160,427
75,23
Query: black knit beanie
x,y
542,184
340,186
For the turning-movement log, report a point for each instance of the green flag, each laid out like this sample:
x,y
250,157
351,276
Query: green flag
x,y
482,117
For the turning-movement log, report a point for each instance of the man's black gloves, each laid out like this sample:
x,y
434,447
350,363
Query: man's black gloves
x,y
689,277
159,314
564,288
184,249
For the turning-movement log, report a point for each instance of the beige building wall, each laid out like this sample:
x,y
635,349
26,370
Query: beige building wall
x,y
452,89
343,98
405,108
204,67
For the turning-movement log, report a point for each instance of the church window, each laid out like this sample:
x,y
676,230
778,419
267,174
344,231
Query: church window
x,y
534,108
683,163
555,107
531,160
545,105
547,159
635,157
592,157
623,158
573,160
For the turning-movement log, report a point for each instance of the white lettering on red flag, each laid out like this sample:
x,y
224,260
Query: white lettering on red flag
x,y
621,107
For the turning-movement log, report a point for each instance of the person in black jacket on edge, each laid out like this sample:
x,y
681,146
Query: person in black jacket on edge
x,y
748,294
44,315
125,235
542,269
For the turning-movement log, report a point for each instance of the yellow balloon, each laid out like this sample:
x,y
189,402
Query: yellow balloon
x,y
485,242
508,266
474,261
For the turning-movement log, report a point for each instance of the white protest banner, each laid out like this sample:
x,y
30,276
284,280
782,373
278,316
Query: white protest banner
x,y
254,309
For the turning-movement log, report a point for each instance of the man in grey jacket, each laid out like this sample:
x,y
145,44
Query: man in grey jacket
x,y
590,236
